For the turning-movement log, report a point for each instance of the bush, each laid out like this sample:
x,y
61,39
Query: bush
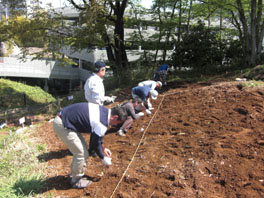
x,y
234,53
200,50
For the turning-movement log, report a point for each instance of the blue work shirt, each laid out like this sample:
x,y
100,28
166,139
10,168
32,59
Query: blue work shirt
x,y
141,92
163,67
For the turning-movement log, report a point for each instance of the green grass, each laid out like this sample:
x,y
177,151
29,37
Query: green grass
x,y
252,83
20,171
12,94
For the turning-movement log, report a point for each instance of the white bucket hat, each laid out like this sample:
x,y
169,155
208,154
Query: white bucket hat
x,y
160,83
154,94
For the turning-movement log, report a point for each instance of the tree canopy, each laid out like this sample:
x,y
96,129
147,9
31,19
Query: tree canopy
x,y
102,24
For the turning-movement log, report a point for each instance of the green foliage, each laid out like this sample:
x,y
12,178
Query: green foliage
x,y
20,171
200,50
12,94
27,32
137,71
41,147
9,48
256,73
234,53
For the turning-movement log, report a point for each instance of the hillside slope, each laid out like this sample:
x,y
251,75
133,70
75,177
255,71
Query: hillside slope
x,y
202,140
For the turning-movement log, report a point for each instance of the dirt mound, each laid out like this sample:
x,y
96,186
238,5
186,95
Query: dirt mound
x,y
202,140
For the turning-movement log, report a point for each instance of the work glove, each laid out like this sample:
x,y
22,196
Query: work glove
x,y
108,99
107,161
140,114
148,111
149,104
113,98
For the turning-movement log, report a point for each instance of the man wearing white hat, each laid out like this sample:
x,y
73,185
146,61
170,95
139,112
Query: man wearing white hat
x,y
151,83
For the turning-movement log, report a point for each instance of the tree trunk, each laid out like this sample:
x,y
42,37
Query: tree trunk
x,y
109,48
160,36
189,17
253,33
246,36
119,48
120,53
169,30
260,31
180,21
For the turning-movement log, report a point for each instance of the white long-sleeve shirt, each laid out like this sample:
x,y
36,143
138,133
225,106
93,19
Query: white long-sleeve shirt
x,y
94,89
149,83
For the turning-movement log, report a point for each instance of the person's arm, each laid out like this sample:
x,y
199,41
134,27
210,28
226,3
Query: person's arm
x,y
153,85
87,90
96,144
97,92
131,111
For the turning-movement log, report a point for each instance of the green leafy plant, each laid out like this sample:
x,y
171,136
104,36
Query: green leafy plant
x,y
200,50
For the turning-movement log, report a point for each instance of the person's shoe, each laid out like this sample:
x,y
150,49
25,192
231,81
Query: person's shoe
x,y
120,132
80,183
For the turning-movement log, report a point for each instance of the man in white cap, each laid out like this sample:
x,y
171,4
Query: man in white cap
x,y
145,93
94,88
151,83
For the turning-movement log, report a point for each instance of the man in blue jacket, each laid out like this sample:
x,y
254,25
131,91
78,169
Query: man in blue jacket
x,y
162,73
145,93
86,118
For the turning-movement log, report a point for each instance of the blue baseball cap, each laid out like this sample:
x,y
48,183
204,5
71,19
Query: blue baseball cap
x,y
100,65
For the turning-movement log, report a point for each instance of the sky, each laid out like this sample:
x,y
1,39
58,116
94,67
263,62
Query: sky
x,y
146,3
62,3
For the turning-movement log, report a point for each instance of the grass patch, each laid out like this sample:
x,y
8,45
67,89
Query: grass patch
x,y
16,94
20,170
252,83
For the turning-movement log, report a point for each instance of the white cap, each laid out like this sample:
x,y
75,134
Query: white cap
x,y
154,94
159,83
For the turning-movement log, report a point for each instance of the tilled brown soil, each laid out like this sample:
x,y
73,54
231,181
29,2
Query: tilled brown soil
x,y
202,141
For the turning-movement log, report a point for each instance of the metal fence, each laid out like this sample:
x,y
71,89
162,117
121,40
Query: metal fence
x,y
29,109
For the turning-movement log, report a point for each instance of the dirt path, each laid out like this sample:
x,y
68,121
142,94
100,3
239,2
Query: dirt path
x,y
205,141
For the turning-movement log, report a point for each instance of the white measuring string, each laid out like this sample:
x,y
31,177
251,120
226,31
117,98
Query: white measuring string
x,y
133,157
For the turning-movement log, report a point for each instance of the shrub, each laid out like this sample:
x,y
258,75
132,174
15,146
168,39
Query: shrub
x,y
200,50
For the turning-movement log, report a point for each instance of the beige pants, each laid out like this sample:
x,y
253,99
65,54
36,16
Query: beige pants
x,y
76,144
